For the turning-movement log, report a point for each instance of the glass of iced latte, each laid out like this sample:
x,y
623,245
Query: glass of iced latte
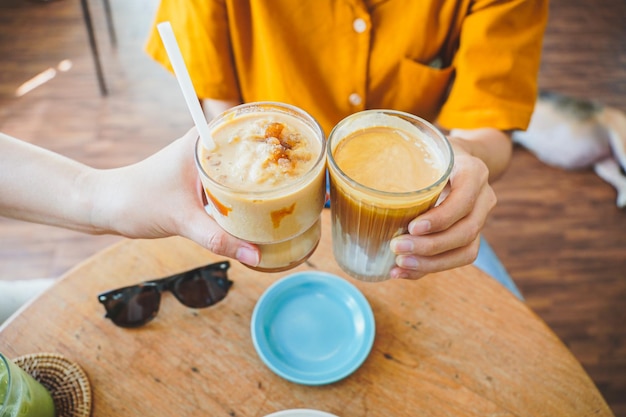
x,y
265,179
386,167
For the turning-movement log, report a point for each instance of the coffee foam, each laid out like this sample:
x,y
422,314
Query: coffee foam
x,y
403,128
255,153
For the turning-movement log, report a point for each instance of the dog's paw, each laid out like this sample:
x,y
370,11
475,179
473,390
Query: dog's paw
x,y
610,171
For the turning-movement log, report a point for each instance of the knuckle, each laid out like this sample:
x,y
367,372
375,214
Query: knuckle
x,y
482,170
217,243
429,247
472,251
473,232
493,198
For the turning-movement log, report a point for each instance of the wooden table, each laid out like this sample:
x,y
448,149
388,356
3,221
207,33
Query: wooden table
x,y
452,344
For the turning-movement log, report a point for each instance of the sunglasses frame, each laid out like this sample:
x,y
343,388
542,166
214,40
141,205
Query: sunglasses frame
x,y
125,295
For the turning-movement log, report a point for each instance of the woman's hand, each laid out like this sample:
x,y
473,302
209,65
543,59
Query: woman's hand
x,y
158,197
448,235
162,196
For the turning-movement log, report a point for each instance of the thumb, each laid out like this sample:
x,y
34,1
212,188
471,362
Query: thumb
x,y
206,232
200,227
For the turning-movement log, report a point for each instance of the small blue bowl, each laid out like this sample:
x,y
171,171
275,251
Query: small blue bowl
x,y
312,328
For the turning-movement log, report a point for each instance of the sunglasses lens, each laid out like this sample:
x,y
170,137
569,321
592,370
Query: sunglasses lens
x,y
133,306
202,288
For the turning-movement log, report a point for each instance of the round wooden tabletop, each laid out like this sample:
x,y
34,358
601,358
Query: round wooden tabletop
x,y
453,343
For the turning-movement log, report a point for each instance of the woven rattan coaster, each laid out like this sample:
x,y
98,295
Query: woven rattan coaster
x,y
67,382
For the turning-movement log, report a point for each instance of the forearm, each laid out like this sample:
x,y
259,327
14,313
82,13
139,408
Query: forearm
x,y
40,186
494,147
160,196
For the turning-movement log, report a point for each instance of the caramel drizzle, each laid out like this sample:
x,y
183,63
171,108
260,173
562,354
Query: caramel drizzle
x,y
279,215
221,208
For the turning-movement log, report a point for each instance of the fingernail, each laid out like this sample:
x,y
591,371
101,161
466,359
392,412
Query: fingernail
x,y
395,274
402,245
407,262
420,227
247,256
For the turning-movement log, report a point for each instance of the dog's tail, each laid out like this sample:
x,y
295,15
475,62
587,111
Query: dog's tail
x,y
614,172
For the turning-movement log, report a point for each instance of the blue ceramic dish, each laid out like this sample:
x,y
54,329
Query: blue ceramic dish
x,y
312,328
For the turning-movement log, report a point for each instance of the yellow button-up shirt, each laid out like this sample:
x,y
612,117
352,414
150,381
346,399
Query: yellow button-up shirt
x,y
462,63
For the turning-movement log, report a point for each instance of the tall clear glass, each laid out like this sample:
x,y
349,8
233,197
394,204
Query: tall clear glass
x,y
386,167
265,180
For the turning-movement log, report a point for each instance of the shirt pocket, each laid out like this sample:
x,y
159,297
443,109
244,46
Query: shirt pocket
x,y
420,89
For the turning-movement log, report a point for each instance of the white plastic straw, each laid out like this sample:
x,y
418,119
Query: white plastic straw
x,y
184,80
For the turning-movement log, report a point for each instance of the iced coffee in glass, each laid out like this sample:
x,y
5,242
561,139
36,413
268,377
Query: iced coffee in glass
x,y
265,179
386,167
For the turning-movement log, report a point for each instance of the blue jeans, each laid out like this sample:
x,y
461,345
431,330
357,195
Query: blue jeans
x,y
488,262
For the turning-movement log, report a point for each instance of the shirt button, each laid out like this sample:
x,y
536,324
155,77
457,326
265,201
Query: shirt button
x,y
355,99
359,25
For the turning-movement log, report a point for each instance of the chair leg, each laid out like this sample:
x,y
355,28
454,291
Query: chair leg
x,y
109,18
94,47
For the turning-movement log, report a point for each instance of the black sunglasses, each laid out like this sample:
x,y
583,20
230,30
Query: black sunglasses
x,y
136,305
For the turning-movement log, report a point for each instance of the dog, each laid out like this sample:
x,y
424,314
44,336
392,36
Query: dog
x,y
575,134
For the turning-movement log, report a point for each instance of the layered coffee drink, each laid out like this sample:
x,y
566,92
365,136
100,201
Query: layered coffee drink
x,y
386,168
265,180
